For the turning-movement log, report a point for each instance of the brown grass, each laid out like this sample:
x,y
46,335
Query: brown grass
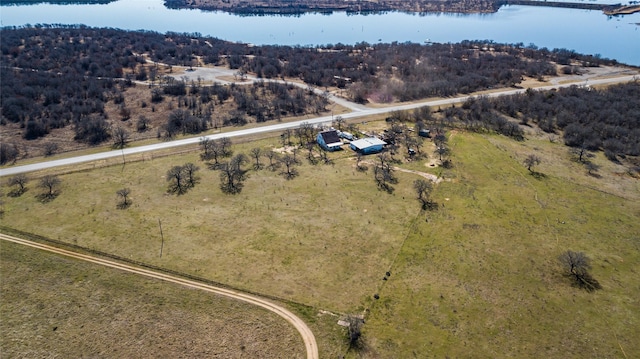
x,y
476,278
321,239
54,306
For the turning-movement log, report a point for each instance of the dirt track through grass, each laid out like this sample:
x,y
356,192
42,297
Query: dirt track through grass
x,y
54,305
323,239
478,279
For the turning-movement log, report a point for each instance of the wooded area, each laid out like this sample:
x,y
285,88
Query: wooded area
x,y
587,118
75,76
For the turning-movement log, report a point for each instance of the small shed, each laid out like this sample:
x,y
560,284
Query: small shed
x,y
368,145
329,140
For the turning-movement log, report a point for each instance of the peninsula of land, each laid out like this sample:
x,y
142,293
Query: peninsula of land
x,y
359,6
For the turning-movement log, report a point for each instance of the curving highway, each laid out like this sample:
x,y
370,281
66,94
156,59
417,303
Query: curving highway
x,y
307,336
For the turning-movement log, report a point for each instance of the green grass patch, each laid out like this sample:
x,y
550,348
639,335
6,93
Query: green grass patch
x,y
481,279
476,278
323,239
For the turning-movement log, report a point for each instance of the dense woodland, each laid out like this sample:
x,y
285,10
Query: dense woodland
x,y
40,101
588,119
57,76
404,71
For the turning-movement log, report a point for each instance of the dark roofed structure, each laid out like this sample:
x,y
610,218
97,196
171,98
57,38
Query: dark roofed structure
x,y
329,140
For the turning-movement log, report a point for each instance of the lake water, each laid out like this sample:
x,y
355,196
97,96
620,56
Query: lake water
x,y
585,31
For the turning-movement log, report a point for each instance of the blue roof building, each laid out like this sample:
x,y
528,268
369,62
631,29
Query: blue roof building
x,y
368,145
329,140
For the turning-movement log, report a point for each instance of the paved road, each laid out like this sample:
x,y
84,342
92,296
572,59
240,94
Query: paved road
x,y
307,336
357,113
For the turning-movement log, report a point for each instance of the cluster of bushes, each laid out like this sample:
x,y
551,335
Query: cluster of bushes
x,y
590,119
41,101
607,119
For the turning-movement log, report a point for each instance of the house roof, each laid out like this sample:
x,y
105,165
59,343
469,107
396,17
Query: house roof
x,y
331,138
368,142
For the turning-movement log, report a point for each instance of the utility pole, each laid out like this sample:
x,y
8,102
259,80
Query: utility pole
x,y
123,159
162,236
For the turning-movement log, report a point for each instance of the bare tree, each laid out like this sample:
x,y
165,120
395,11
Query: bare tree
x,y
142,124
325,157
178,179
440,139
206,145
273,160
124,195
125,113
384,173
50,148
190,171
423,189
50,184
232,175
311,157
582,152
576,265
354,331
530,161
214,150
8,152
19,180
339,123
359,165
285,137
120,137
295,152
256,153
305,133
442,152
225,144
289,163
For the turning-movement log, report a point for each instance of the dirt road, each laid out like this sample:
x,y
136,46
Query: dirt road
x,y
307,336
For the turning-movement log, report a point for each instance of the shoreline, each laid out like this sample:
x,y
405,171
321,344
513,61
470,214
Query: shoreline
x,y
259,8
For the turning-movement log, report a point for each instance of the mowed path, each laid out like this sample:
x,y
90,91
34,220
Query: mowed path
x,y
307,336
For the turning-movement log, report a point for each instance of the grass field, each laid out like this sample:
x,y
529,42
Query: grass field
x,y
56,307
476,278
321,239
481,279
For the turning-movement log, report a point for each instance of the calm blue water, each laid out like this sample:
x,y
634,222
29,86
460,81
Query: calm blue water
x,y
584,31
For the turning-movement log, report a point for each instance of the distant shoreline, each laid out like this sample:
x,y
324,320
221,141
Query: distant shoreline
x,y
279,7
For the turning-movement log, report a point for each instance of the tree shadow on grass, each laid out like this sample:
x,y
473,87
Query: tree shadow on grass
x,y
538,175
430,206
384,186
16,192
123,205
291,174
585,281
47,197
